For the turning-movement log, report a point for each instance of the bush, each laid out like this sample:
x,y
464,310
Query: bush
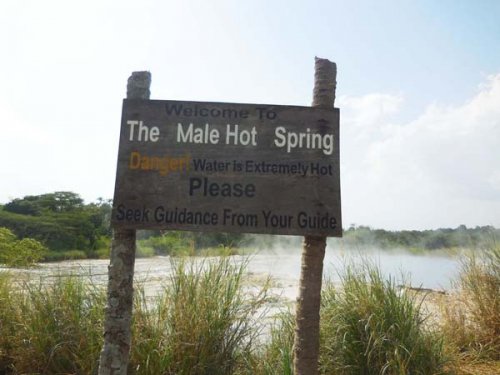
x,y
172,243
178,243
19,253
369,327
472,323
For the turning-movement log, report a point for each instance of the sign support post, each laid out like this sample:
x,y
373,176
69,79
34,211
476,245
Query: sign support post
x,y
306,344
217,167
118,316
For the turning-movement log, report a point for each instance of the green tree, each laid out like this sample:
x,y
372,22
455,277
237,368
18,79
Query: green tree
x,y
59,220
19,253
59,201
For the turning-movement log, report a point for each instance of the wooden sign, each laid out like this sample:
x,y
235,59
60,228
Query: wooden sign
x,y
228,167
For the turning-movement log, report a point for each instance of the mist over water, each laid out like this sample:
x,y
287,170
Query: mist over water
x,y
281,261
281,258
423,271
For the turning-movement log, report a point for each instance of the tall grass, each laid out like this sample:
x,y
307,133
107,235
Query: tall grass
x,y
472,323
7,315
51,329
275,357
204,322
207,319
369,327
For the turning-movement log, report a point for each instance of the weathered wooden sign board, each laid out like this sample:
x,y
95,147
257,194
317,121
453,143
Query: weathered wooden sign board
x,y
228,167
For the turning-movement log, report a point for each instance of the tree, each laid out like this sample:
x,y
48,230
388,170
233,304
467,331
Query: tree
x,y
59,201
19,253
59,220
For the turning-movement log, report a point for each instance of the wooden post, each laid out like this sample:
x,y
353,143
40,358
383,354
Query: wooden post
x,y
118,316
306,344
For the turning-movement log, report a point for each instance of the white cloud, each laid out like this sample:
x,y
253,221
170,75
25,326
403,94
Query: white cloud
x,y
442,169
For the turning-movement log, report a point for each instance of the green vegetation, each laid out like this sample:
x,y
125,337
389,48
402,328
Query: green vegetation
x,y
60,221
367,327
418,241
208,319
181,243
472,322
276,358
370,327
19,253
49,330
71,229
205,320
202,322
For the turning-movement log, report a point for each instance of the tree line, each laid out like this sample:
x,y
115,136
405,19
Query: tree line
x,y
435,239
61,221
70,228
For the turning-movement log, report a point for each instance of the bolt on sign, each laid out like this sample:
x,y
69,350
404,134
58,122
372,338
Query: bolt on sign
x,y
228,167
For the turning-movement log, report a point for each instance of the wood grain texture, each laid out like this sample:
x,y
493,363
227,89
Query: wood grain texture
x,y
296,189
307,319
115,353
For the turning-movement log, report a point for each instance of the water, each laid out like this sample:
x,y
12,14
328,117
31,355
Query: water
x,y
426,271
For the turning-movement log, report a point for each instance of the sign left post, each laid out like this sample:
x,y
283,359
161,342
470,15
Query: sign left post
x,y
114,356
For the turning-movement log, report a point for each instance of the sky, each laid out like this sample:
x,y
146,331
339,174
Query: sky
x,y
418,89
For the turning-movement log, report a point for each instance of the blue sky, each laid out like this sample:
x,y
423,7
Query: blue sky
x,y
418,89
